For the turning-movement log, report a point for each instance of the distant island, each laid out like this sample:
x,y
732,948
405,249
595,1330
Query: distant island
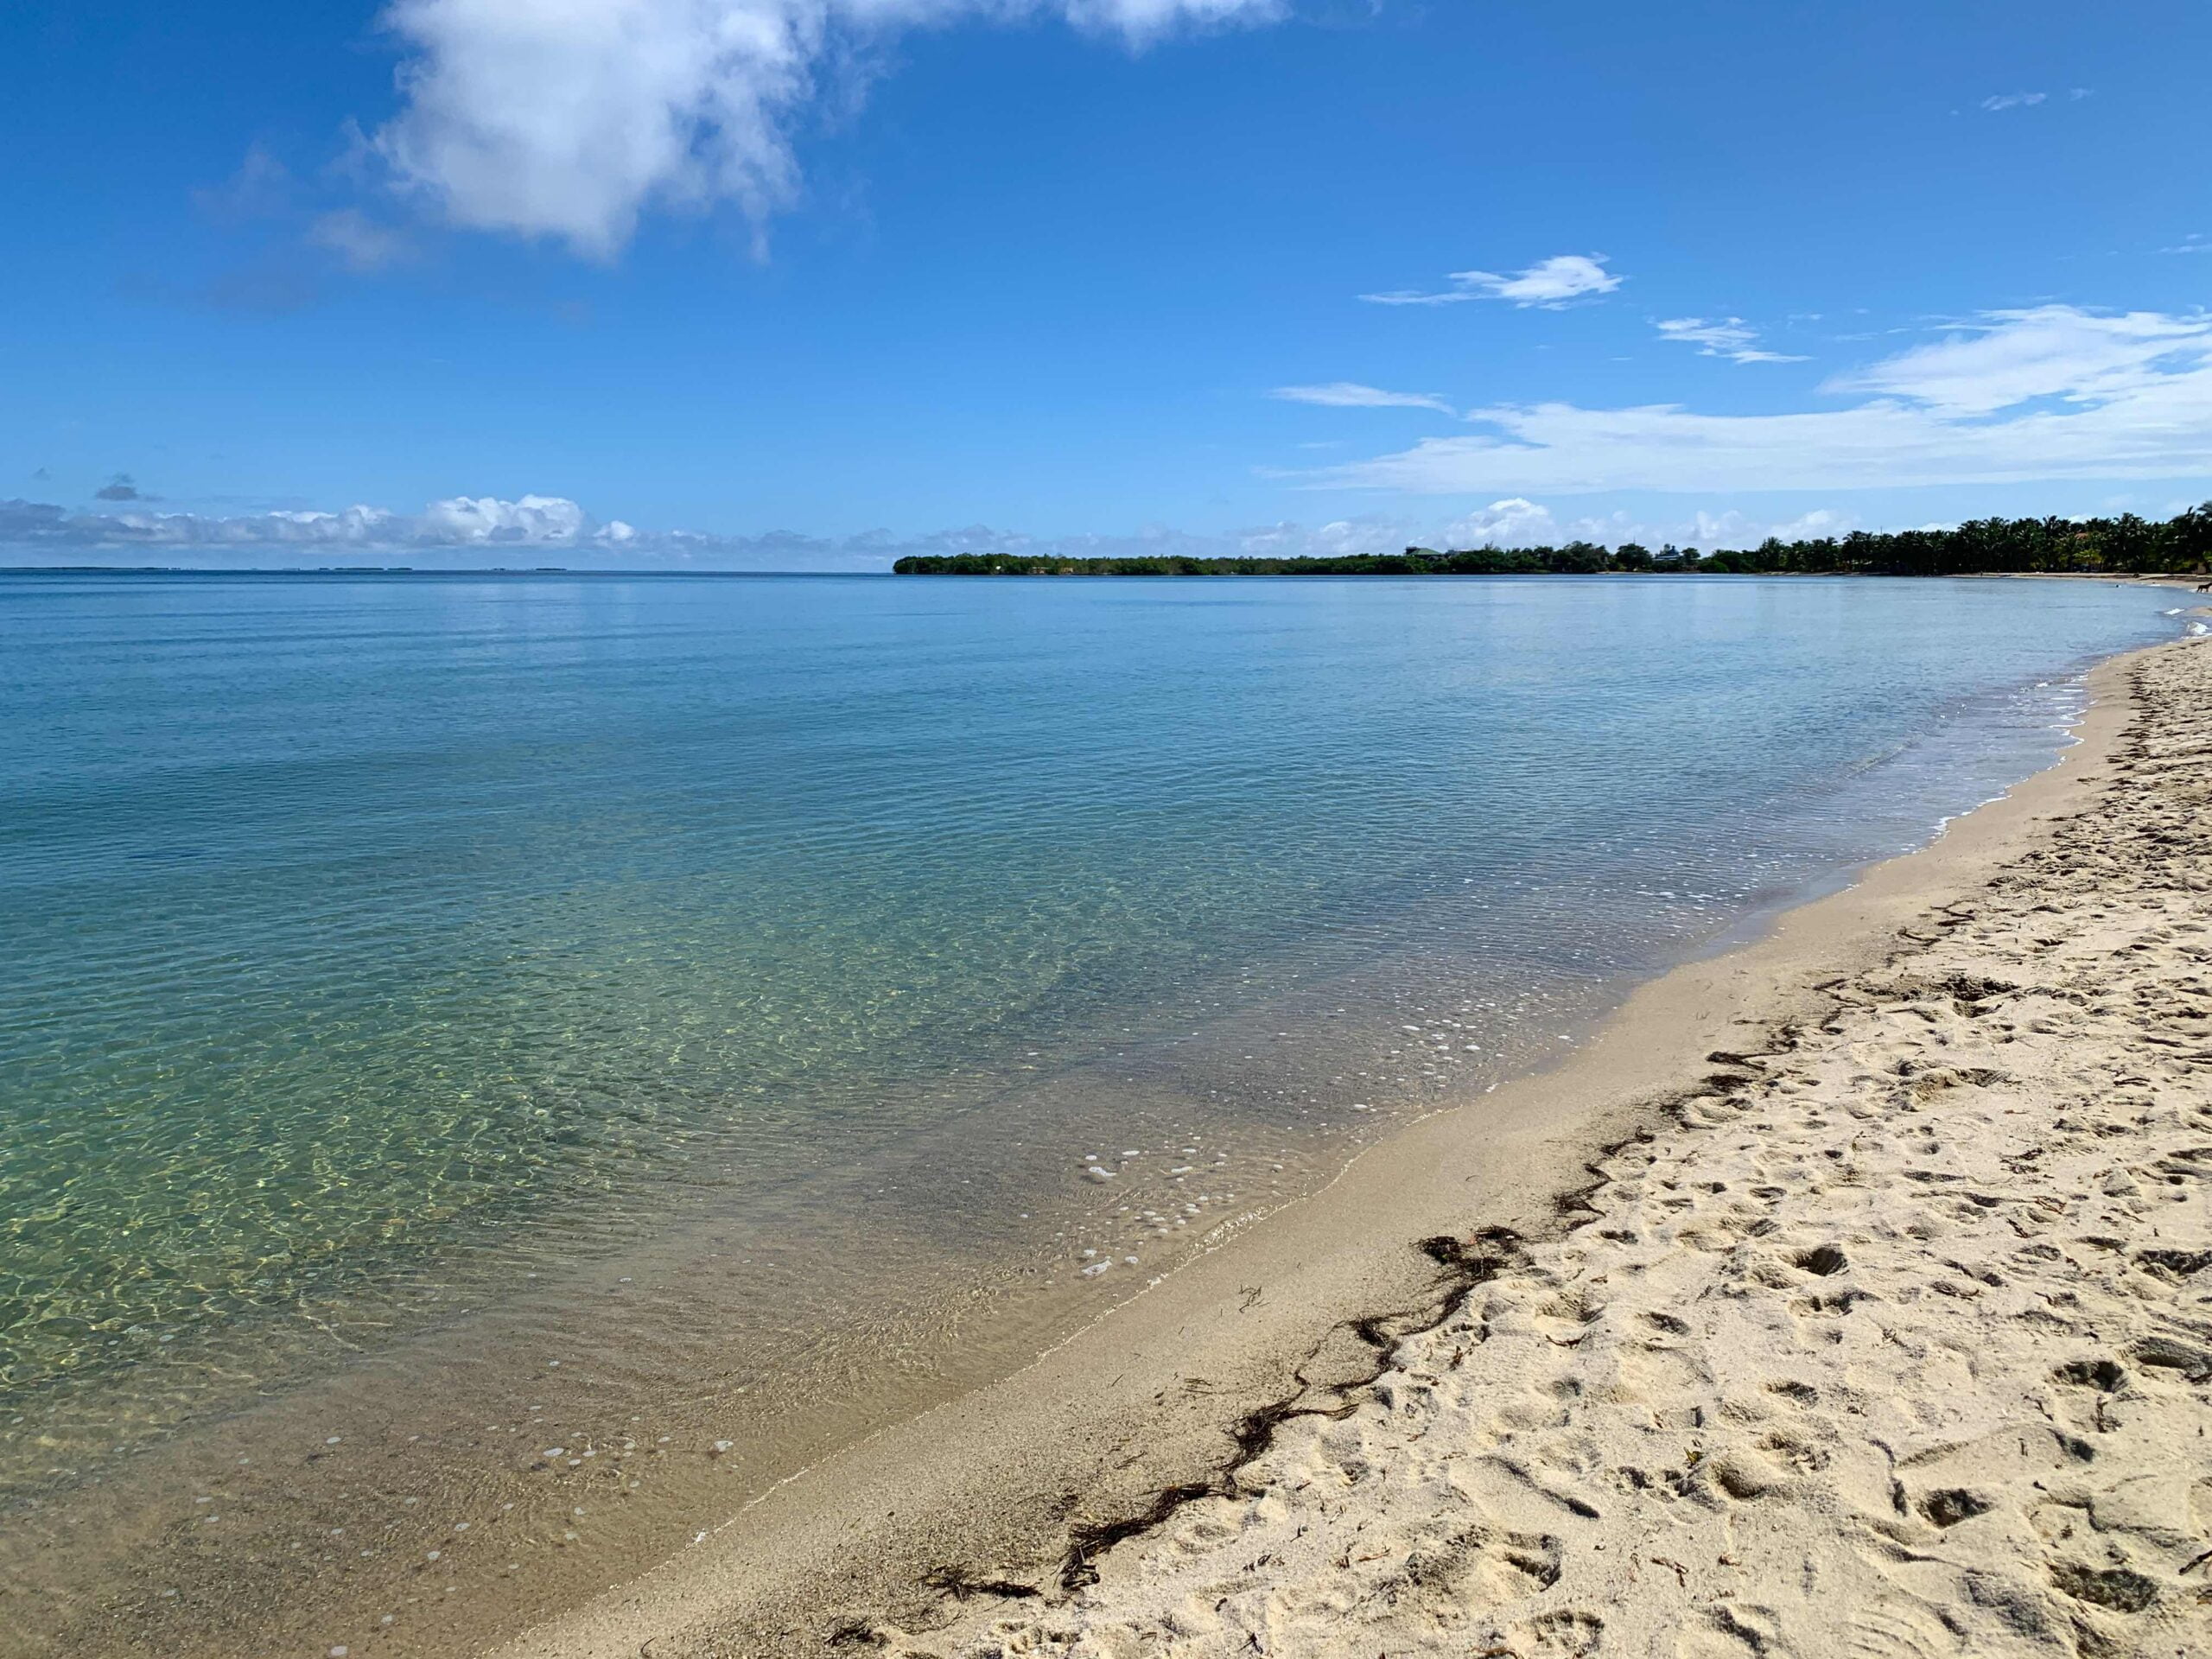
x,y
2126,545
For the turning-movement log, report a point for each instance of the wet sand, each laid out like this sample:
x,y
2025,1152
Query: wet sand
x,y
1213,1452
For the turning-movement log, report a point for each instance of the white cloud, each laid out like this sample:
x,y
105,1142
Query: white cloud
x,y
478,520
1550,284
1521,522
460,521
1557,280
2017,397
568,118
2007,357
1515,521
1728,337
1348,394
2016,100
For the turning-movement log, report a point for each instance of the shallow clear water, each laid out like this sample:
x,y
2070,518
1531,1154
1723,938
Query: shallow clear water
x,y
354,924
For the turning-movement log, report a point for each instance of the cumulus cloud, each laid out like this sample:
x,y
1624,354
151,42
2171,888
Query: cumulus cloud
x,y
121,488
1514,522
1349,394
569,120
2055,391
1550,284
1728,337
462,521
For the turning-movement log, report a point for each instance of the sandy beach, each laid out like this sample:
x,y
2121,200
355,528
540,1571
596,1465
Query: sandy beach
x,y
1843,1294
1893,1339
1041,829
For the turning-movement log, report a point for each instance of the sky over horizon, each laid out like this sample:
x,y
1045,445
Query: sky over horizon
x,y
810,284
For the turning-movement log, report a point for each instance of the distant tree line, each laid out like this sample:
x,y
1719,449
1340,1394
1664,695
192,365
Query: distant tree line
x,y
2126,545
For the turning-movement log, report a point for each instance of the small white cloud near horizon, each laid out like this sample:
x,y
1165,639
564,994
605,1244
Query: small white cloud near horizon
x,y
570,120
1514,522
1349,394
459,521
1549,283
1517,521
1728,337
2013,101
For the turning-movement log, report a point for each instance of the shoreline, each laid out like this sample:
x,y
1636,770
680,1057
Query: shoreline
x,y
1891,1337
993,1485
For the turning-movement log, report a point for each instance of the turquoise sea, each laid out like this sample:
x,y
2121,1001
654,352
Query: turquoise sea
x,y
370,936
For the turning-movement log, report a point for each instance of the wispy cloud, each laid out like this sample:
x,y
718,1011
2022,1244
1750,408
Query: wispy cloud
x,y
360,242
569,121
1728,337
2005,358
2003,101
261,187
1551,283
1348,394
2055,391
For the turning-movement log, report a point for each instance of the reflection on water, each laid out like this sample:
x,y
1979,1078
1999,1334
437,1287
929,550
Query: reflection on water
x,y
725,985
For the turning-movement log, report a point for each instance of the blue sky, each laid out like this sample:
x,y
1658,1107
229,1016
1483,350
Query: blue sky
x,y
816,281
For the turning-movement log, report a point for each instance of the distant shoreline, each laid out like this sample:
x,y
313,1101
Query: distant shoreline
x,y
2126,546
